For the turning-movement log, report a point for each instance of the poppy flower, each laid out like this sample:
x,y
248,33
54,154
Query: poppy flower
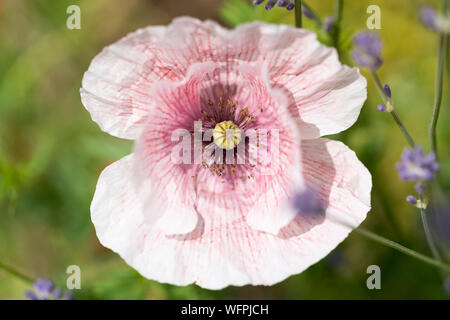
x,y
186,214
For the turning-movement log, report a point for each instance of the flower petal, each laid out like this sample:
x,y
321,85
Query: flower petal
x,y
325,96
115,89
116,192
215,256
116,207
340,180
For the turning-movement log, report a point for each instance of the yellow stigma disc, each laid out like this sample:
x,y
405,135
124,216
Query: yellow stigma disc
x,y
227,135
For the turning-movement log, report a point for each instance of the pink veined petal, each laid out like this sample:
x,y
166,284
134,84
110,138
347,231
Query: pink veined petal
x,y
333,106
273,208
147,202
115,89
176,217
116,208
342,182
325,96
217,256
167,186
261,194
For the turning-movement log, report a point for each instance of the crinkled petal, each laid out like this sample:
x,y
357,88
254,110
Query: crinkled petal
x,y
261,193
147,202
325,96
338,178
215,256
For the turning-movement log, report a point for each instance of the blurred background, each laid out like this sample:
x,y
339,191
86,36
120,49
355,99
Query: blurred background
x,y
51,152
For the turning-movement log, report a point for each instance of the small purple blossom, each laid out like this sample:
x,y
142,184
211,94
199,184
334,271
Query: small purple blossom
x,y
429,17
366,61
411,199
307,13
367,50
328,24
308,203
368,42
289,4
381,108
44,289
417,166
387,91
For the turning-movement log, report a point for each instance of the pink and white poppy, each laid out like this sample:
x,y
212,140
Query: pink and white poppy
x,y
225,224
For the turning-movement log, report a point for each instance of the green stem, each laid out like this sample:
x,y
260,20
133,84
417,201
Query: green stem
x,y
298,13
15,273
428,235
338,9
403,249
442,56
393,113
411,142
403,129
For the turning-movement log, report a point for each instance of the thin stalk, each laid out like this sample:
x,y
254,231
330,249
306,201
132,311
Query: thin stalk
x,y
403,128
442,57
394,245
338,9
393,113
298,13
428,235
411,142
15,273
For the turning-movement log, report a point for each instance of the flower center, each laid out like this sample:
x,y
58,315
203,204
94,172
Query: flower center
x,y
227,135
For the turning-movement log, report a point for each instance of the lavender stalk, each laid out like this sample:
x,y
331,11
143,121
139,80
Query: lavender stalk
x,y
15,273
442,55
298,13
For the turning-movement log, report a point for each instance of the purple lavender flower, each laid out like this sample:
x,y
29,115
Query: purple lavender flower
x,y
387,91
417,166
308,203
328,24
429,17
44,289
368,42
367,50
289,4
366,61
411,199
381,108
307,13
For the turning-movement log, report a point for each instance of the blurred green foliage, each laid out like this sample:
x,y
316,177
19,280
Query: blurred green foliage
x,y
51,153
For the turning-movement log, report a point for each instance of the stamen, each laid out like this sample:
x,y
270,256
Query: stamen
x,y
227,135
